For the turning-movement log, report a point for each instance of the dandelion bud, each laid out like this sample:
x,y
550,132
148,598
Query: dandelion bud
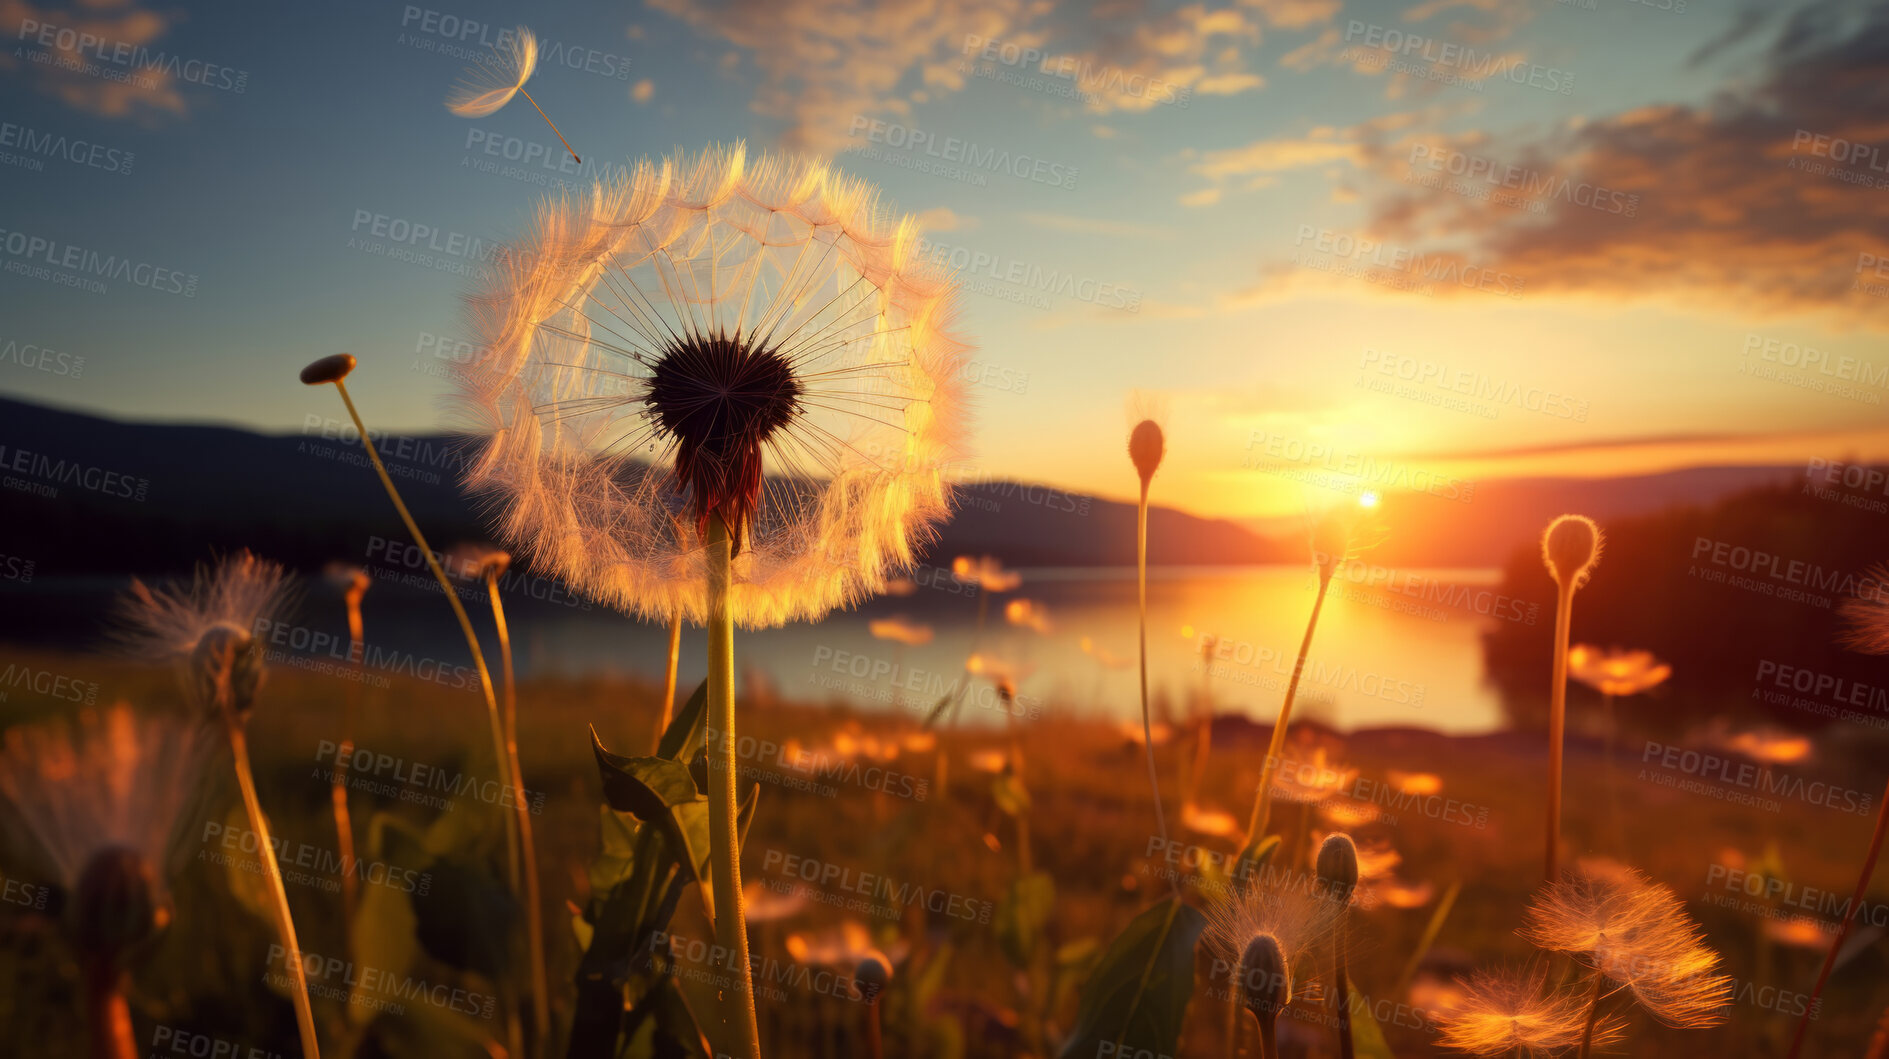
x,y
116,904
1146,446
871,977
329,369
225,670
1331,541
1265,978
495,563
1338,866
1571,547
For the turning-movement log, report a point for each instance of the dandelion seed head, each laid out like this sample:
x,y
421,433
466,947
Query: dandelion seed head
x,y
1283,906
208,627
717,337
486,88
1571,547
1636,932
1509,1011
1866,615
104,780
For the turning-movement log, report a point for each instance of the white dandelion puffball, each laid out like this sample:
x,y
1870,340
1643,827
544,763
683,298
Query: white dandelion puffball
x,y
718,337
486,88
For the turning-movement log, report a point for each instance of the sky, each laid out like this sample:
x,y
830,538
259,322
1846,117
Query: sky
x,y
1456,238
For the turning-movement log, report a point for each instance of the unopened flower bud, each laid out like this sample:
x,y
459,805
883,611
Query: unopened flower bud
x,y
1338,866
1571,547
1265,984
871,977
1146,446
225,670
328,369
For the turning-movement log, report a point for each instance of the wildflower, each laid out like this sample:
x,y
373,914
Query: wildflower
x,y
899,629
1616,672
208,628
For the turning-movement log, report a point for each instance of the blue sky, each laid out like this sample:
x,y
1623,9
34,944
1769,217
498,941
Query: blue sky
x,y
1222,178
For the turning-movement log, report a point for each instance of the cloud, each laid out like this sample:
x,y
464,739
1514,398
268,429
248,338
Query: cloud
x,y
824,62
945,219
53,48
1735,202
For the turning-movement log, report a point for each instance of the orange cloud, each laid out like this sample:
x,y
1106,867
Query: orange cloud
x,y
91,56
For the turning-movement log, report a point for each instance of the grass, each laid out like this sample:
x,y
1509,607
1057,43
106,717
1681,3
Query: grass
x,y
1087,798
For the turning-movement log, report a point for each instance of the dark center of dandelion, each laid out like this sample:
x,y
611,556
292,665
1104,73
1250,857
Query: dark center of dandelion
x,y
721,398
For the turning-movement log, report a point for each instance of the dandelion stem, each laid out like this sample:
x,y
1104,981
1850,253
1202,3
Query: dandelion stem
x,y
669,679
285,925
1558,721
1849,920
1262,800
1147,725
534,907
1593,1015
338,779
1268,1039
459,612
107,1012
731,927
1343,990
548,121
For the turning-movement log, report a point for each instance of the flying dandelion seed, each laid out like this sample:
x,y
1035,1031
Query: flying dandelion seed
x,y
486,88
